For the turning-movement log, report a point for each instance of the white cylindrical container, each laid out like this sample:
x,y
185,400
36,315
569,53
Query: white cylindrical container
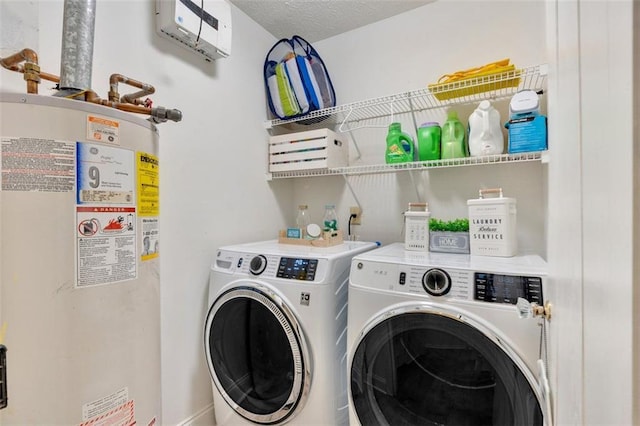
x,y
416,227
80,281
492,224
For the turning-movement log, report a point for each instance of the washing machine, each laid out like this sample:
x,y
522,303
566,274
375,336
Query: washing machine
x,y
275,334
447,339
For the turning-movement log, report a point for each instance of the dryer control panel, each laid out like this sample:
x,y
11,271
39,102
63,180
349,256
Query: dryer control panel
x,y
297,268
307,269
497,288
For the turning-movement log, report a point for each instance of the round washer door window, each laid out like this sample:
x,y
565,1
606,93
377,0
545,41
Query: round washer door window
x,y
424,368
257,357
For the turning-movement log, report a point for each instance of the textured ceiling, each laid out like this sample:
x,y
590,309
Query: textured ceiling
x,y
316,20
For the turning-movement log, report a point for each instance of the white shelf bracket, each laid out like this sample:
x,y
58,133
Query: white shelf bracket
x,y
415,186
413,114
353,193
355,145
345,128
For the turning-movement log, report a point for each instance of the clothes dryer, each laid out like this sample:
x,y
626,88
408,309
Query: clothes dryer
x,y
275,334
436,339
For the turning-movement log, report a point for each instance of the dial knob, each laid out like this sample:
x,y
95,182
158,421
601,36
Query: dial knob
x,y
258,264
436,282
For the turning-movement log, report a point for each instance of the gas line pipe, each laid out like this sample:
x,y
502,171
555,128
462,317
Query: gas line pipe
x,y
129,102
30,69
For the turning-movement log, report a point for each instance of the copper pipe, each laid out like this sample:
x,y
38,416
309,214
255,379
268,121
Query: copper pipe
x,y
91,96
132,98
158,115
43,75
31,69
129,103
25,55
50,77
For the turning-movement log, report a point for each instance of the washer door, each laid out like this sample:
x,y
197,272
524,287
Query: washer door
x,y
426,366
257,354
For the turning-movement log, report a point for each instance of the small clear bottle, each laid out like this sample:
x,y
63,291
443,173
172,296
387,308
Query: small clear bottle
x,y
302,220
330,219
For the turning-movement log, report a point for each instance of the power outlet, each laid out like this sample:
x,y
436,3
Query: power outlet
x,y
357,220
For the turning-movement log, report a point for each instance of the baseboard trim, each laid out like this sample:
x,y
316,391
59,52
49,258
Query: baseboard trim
x,y
201,418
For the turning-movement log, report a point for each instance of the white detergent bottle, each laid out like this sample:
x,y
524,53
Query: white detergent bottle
x,y
485,131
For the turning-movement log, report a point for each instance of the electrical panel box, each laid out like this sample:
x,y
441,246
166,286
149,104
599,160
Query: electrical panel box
x,y
203,26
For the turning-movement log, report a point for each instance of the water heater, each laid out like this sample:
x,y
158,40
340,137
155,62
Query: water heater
x,y
202,26
79,263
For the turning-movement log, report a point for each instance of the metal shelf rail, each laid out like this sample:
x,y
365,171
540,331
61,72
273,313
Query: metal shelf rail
x,y
365,113
414,166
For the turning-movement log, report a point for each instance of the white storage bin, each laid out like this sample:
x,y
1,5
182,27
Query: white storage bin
x,y
492,224
313,149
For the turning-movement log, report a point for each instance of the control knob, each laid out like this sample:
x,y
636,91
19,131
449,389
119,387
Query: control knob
x,y
258,264
436,282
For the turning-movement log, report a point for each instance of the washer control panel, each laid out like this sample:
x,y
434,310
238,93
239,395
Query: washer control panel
x,y
449,283
490,281
497,288
435,282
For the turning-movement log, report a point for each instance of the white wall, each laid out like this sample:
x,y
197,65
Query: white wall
x,y
636,211
591,212
213,163
407,52
564,216
608,196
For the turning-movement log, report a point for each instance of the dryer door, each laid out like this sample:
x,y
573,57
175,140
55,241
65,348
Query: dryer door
x,y
257,354
429,367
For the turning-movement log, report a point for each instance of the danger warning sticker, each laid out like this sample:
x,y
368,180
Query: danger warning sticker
x,y
120,416
106,244
107,403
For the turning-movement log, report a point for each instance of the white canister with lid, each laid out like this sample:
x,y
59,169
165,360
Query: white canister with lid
x,y
492,224
416,227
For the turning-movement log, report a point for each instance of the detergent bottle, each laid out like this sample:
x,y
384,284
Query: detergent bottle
x,y
453,145
399,145
485,131
429,135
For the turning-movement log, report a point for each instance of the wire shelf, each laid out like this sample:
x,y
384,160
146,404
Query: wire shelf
x,y
365,113
415,166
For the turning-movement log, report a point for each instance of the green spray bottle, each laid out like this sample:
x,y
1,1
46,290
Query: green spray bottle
x,y
453,145
399,145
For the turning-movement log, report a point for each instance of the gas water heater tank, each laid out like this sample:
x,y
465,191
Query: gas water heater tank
x,y
79,263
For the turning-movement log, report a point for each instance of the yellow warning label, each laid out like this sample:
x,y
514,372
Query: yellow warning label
x,y
148,185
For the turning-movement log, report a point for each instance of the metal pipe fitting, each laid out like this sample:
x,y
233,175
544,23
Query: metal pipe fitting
x,y
31,69
162,114
132,98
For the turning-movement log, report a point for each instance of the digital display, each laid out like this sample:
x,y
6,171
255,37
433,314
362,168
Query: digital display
x,y
497,288
297,269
